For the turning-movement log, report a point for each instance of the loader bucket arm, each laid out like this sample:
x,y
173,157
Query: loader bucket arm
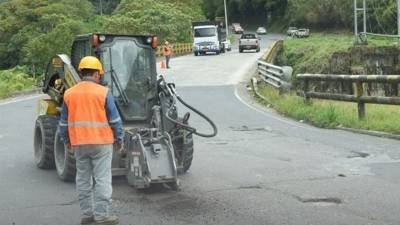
x,y
60,76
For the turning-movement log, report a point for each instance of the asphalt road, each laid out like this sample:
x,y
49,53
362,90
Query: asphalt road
x,y
261,169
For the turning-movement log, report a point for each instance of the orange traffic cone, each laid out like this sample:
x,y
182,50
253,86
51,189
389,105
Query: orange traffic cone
x,y
163,66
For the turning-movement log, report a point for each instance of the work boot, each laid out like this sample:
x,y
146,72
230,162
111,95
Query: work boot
x,y
87,220
111,220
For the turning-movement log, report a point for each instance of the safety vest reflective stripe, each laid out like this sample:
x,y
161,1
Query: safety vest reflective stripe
x,y
115,120
88,124
63,124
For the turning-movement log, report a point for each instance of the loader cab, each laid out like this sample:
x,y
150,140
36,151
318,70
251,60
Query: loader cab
x,y
130,70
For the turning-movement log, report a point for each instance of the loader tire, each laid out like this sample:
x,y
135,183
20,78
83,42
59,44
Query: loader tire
x,y
64,160
43,141
184,151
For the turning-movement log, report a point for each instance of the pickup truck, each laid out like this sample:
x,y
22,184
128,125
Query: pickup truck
x,y
249,42
236,28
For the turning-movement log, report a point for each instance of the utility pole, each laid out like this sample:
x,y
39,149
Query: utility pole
x,y
101,7
365,16
226,20
355,20
398,20
360,39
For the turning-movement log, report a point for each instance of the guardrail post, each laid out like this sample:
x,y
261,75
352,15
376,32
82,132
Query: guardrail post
x,y
361,105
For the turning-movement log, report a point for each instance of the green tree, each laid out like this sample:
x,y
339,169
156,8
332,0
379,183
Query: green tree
x,y
169,20
105,6
24,23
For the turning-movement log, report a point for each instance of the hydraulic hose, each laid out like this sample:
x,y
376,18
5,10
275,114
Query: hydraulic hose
x,y
193,130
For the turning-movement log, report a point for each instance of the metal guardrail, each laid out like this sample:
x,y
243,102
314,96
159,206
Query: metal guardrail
x,y
178,49
381,35
357,82
278,77
271,54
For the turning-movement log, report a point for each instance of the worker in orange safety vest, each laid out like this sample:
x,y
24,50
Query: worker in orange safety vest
x,y
89,126
167,53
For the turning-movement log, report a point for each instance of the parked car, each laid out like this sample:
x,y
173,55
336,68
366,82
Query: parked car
x,y
292,31
261,30
302,33
227,44
236,28
249,41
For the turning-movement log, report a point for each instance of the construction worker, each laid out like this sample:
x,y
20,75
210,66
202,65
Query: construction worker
x,y
89,125
167,53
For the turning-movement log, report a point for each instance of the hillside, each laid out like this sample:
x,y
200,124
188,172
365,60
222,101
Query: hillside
x,y
316,14
32,31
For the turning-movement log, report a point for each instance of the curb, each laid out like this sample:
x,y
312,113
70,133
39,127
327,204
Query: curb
x,y
254,83
370,132
353,130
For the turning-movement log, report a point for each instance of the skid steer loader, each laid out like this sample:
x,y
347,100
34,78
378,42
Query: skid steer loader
x,y
158,142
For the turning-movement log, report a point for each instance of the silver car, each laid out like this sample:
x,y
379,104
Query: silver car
x,y
261,30
292,31
302,33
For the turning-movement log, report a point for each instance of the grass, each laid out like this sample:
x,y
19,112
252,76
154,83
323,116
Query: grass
x,y
313,54
15,80
330,114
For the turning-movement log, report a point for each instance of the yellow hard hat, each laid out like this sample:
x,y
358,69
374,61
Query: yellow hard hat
x,y
91,62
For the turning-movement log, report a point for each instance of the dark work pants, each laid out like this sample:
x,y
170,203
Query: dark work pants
x,y
167,58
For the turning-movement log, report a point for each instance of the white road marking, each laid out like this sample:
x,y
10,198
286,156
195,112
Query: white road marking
x,y
20,99
275,117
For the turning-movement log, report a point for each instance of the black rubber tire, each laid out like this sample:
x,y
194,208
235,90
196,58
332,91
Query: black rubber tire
x,y
185,149
43,141
240,50
196,54
217,52
258,50
64,160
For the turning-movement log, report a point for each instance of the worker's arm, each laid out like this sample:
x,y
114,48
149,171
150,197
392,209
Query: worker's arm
x,y
63,124
114,119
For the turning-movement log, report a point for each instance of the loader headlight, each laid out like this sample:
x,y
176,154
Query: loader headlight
x,y
102,38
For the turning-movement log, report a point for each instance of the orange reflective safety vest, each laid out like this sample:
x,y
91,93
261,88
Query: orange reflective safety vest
x,y
87,118
167,50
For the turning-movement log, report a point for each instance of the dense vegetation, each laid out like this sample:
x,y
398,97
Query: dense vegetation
x,y
169,19
319,14
33,31
14,80
313,54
